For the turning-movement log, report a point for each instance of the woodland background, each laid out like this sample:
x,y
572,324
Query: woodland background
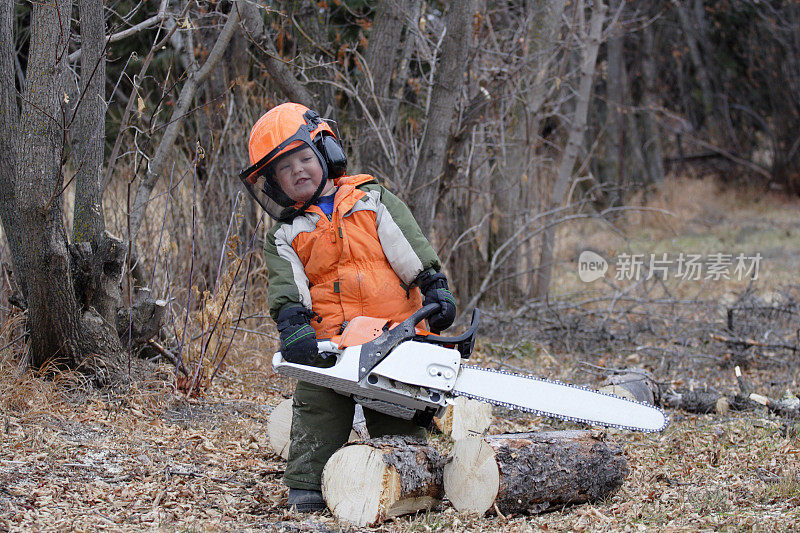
x,y
520,133
496,122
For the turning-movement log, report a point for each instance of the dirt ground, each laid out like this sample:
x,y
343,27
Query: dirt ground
x,y
148,458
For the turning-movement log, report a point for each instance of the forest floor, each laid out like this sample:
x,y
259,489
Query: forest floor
x,y
150,459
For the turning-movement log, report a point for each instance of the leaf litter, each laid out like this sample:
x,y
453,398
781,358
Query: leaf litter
x,y
149,459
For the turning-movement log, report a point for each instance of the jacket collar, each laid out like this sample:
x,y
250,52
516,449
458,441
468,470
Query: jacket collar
x,y
345,199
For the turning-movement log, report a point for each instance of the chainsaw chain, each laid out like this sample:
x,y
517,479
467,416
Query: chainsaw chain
x,y
515,407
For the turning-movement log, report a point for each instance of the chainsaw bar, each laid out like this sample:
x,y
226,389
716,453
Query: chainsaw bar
x,y
557,400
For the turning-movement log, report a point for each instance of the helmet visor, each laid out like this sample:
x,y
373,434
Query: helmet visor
x,y
264,188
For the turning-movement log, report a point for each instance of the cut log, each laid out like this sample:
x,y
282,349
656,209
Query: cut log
x,y
279,427
369,482
465,418
702,401
148,318
523,473
634,384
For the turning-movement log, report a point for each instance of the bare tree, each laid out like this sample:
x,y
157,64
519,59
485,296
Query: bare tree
x,y
446,89
50,137
591,42
58,280
384,68
651,147
196,76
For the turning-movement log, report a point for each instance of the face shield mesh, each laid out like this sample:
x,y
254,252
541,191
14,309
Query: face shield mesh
x,y
260,183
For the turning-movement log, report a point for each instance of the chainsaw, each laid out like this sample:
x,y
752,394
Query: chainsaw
x,y
407,372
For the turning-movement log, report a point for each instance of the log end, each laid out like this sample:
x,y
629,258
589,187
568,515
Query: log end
x,y
353,485
369,482
472,478
279,427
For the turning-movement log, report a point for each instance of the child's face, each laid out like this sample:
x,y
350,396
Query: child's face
x,y
299,175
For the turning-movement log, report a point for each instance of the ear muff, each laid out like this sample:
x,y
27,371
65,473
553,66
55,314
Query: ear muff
x,y
334,155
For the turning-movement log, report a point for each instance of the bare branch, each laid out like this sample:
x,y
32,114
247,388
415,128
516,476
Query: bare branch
x,y
277,67
184,102
112,161
133,30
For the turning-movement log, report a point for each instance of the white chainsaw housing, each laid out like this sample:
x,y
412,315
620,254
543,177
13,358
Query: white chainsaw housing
x,y
414,376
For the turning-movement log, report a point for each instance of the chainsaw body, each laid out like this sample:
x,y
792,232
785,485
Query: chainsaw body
x,y
414,374
396,368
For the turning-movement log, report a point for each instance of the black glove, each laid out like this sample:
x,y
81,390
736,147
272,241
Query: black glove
x,y
434,289
298,339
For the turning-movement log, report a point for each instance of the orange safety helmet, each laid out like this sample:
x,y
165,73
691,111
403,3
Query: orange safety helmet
x,y
281,130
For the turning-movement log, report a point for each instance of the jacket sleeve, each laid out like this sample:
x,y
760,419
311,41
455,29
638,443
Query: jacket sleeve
x,y
406,248
288,283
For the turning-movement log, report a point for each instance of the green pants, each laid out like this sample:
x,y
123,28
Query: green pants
x,y
321,424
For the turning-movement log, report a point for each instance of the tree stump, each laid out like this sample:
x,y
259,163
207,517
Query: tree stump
x,y
526,473
465,418
279,428
369,482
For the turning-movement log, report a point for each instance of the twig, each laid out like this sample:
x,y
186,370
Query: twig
x,y
166,353
751,342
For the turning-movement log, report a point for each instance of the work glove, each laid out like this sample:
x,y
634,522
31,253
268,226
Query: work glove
x,y
298,339
434,290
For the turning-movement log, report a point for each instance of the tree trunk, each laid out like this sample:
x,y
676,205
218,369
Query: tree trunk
x,y
523,473
447,82
72,292
514,193
690,33
52,309
88,134
654,160
376,153
570,154
9,128
367,483
616,129
400,79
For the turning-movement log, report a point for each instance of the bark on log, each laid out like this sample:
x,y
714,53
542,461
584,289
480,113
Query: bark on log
x,y
372,481
533,472
707,400
465,418
702,401
279,426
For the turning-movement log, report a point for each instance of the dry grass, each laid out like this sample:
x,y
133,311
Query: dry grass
x,y
149,459
693,216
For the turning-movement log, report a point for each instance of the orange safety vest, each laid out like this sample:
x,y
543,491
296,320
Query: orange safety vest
x,y
345,258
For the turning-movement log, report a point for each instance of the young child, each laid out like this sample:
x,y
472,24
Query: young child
x,y
343,246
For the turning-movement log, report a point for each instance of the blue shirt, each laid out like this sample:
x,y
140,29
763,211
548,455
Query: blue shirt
x,y
326,204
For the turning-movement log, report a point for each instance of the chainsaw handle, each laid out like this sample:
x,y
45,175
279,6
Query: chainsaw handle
x,y
422,313
328,346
